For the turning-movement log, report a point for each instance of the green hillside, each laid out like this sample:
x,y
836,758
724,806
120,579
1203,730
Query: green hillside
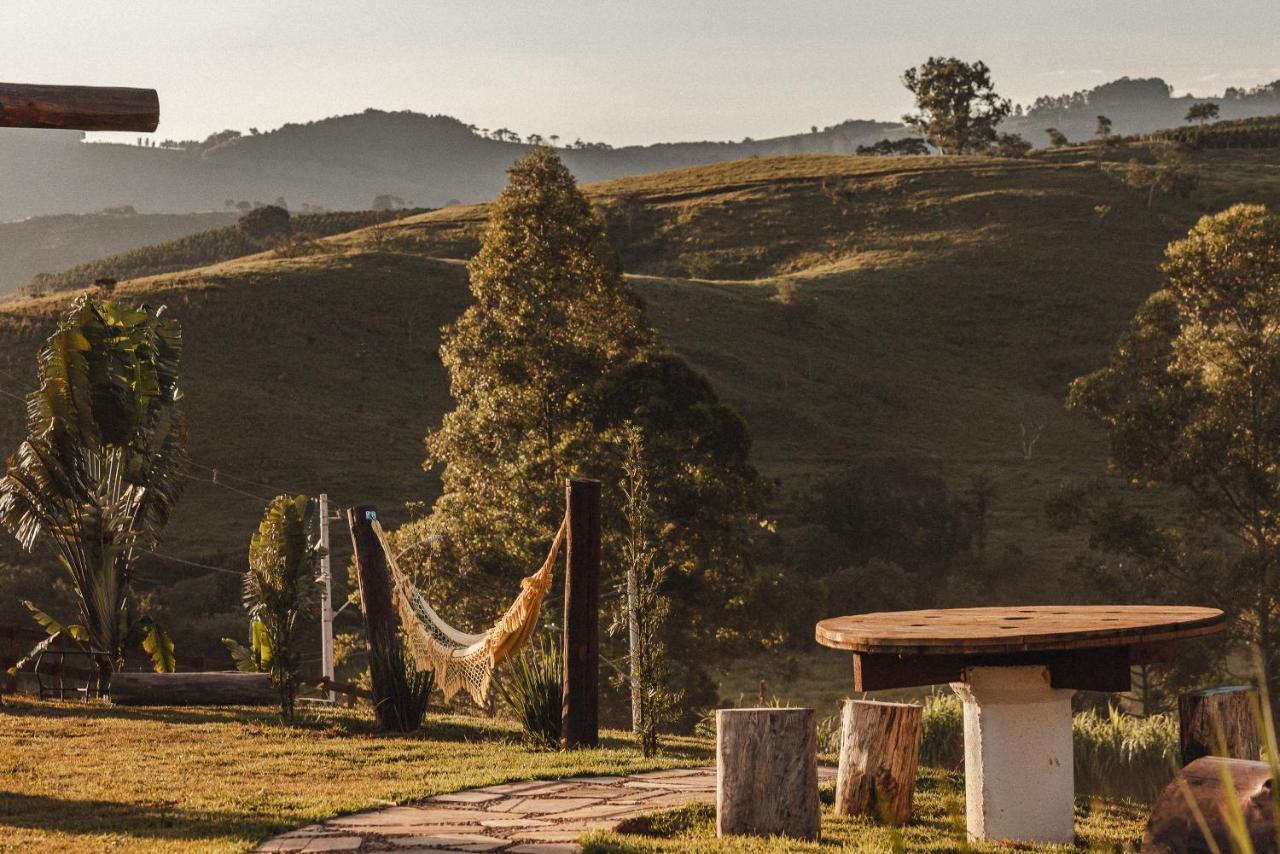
x,y
846,306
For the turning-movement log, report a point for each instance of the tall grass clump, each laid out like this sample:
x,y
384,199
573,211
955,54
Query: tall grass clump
x,y
1122,756
531,689
942,731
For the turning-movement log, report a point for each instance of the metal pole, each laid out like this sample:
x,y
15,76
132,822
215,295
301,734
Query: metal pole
x,y
326,597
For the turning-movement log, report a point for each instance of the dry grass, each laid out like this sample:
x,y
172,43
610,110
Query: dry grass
x,y
90,778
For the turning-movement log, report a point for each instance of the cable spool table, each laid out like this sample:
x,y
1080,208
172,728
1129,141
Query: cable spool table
x,y
1015,670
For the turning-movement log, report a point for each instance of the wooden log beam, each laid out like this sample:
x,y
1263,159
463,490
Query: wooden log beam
x,y
1218,722
879,754
580,715
381,624
1211,783
1104,669
767,773
100,108
219,688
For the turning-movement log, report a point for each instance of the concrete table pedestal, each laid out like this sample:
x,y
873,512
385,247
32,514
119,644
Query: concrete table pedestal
x,y
1019,779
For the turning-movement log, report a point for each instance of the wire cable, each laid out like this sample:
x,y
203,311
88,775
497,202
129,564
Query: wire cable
x,y
190,563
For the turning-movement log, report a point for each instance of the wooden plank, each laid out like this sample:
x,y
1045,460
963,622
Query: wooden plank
x,y
102,108
1023,629
580,713
1106,669
230,688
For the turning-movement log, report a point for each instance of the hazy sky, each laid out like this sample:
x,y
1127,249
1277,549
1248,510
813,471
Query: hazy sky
x,y
621,72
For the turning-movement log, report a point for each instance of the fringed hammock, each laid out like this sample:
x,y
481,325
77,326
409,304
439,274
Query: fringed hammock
x,y
463,661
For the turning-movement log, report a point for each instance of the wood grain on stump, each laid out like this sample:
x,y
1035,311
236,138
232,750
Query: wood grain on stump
x,y
879,754
767,773
1211,783
1218,722
230,688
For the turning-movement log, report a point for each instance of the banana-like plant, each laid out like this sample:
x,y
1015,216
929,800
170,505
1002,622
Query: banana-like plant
x,y
281,584
99,473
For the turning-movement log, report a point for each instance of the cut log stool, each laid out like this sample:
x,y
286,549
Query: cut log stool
x,y
879,753
1218,722
767,773
1211,783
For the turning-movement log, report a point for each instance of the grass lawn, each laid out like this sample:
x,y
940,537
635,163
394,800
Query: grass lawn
x,y
938,825
76,777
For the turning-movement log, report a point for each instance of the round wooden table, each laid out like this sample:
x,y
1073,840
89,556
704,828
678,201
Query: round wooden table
x,y
1015,670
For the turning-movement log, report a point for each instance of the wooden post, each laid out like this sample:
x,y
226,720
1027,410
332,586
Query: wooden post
x,y
1218,722
375,603
579,713
879,752
1211,783
78,107
767,773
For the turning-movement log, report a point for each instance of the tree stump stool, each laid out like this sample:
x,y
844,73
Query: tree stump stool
x,y
879,753
1211,783
1218,722
767,773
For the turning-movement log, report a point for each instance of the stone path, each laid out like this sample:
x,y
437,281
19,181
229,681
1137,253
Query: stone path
x,y
532,817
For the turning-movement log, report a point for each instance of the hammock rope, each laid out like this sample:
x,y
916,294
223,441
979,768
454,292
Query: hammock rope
x,y
463,661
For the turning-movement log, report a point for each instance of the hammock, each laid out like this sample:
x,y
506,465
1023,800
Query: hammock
x,y
461,660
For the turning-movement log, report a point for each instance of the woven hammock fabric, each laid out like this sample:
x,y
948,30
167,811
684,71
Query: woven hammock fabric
x,y
463,661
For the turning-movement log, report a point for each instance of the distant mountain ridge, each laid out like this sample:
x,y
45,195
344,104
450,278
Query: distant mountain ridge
x,y
343,162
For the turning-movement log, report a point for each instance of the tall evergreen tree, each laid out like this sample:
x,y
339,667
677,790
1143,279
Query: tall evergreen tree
x,y
547,367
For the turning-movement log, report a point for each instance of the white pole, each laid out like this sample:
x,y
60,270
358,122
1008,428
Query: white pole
x,y
326,596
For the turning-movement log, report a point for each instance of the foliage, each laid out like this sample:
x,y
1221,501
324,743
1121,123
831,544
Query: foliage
x,y
1258,132
958,108
280,586
1057,138
1203,112
1173,172
265,224
401,691
531,687
98,474
554,356
256,657
1191,400
1010,145
646,608
910,145
1104,128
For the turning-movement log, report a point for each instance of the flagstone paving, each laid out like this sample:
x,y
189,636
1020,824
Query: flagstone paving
x,y
530,817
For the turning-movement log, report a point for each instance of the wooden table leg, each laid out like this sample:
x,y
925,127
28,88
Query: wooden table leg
x,y
1018,772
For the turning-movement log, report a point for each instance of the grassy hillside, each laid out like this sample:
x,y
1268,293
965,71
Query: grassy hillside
x,y
194,250
845,306
47,244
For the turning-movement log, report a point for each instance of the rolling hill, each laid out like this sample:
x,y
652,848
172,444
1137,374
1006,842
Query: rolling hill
x,y
847,307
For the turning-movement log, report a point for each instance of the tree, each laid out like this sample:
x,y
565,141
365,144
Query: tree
x,y
265,223
647,608
1191,400
957,106
1057,138
1103,130
1011,145
99,473
280,586
387,202
1173,172
552,358
1203,112
910,145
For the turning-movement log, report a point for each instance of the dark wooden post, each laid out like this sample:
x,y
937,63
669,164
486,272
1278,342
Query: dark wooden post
x,y
375,601
1218,722
78,107
579,714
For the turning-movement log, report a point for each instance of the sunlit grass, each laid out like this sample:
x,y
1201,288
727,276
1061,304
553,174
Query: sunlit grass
x,y
76,777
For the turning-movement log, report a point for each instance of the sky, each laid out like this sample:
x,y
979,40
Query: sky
x,y
620,72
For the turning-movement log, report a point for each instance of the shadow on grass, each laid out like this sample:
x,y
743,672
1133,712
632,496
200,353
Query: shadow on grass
x,y
92,817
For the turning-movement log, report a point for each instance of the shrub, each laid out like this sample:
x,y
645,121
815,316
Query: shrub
x,y
402,691
265,224
531,688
